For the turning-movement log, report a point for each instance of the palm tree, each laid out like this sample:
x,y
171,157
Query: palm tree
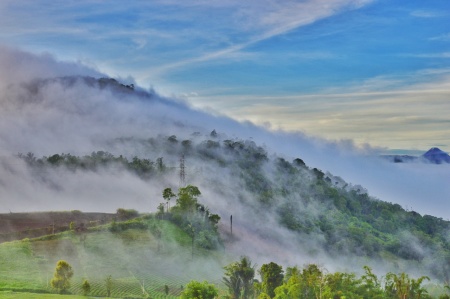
x,y
239,278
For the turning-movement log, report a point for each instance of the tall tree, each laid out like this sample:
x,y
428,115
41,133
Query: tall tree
x,y
167,195
272,277
187,198
239,278
61,277
86,287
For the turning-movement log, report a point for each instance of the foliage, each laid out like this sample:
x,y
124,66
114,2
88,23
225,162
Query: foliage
x,y
272,277
193,217
239,278
137,223
126,214
402,286
61,277
199,290
144,168
314,282
108,285
86,287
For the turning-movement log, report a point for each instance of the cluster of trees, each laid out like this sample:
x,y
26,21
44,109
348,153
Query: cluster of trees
x,y
192,216
144,168
309,282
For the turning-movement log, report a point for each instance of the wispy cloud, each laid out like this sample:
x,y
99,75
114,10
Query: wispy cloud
x,y
271,19
427,14
431,55
442,37
391,110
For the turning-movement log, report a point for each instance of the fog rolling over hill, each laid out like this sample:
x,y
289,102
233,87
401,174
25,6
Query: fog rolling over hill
x,y
48,108
47,116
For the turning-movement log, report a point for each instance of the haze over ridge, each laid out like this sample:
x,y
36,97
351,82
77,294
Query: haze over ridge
x,y
52,116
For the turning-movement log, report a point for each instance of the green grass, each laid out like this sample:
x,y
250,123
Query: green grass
x,y
19,295
135,259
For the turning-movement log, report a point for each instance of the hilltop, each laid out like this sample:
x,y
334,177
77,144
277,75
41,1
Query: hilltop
x,y
433,155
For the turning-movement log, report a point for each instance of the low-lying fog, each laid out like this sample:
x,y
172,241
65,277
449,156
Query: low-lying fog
x,y
46,115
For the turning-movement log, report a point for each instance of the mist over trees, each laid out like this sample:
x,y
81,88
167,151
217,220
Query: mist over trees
x,y
341,219
280,204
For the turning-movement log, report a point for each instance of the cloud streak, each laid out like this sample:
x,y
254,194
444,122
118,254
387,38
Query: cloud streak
x,y
273,19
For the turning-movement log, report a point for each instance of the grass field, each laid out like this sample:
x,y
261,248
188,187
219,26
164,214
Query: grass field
x,y
18,295
138,262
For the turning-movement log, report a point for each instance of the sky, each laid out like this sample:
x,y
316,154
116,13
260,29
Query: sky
x,y
372,71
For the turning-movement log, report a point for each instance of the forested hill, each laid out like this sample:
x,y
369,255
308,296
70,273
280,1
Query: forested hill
x,y
314,213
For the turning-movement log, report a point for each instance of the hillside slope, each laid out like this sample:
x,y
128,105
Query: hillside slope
x,y
278,205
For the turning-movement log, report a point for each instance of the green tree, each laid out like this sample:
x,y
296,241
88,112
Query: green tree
x,y
291,289
199,290
61,277
313,282
86,287
371,286
160,209
108,285
167,195
404,287
310,283
342,285
187,198
272,277
239,278
263,296
416,287
125,214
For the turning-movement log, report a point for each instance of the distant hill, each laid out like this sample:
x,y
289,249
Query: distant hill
x,y
433,155
437,156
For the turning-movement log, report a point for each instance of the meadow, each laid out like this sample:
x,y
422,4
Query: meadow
x,y
139,263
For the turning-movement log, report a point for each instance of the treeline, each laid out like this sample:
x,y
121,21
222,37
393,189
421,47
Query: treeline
x,y
315,282
310,282
145,168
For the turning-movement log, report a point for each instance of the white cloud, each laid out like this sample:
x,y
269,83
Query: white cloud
x,y
427,14
443,37
432,55
269,19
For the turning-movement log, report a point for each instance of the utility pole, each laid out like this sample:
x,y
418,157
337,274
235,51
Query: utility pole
x,y
231,224
182,172
193,238
53,228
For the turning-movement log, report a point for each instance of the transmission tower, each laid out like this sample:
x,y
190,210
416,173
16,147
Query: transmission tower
x,y
182,172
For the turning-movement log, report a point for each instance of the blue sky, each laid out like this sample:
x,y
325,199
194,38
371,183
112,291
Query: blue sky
x,y
374,71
